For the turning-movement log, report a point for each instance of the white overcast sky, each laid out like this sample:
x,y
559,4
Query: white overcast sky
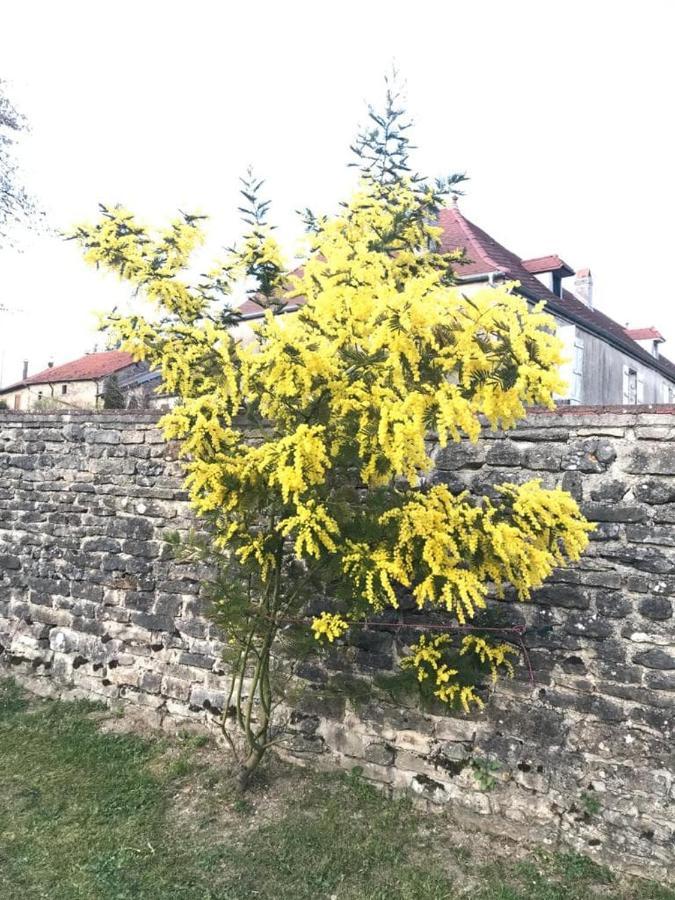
x,y
561,112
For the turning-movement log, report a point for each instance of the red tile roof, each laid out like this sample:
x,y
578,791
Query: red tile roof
x,y
88,368
487,256
644,334
551,263
249,306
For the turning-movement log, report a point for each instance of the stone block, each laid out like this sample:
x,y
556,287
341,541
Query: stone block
x,y
662,536
566,596
591,626
613,605
656,658
590,457
573,483
543,435
150,682
201,698
651,458
660,681
644,559
175,688
656,608
610,490
462,455
504,453
614,512
655,491
659,432
196,659
132,436
102,436
343,739
543,458
379,754
431,789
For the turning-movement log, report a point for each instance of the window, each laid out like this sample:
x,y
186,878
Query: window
x,y
572,369
64,389
630,386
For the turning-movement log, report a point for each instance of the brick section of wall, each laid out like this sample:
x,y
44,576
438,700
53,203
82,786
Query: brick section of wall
x,y
92,603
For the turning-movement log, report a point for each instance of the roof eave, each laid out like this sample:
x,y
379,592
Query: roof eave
x,y
12,387
482,276
248,317
27,384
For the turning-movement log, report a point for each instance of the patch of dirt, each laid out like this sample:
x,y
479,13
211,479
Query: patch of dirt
x,y
208,800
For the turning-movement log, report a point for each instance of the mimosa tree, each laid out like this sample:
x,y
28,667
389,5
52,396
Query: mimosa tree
x,y
308,448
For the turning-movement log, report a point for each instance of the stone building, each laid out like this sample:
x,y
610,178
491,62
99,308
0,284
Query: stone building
x,y
78,384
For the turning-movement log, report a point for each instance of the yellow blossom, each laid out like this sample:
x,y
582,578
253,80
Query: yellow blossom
x,y
329,626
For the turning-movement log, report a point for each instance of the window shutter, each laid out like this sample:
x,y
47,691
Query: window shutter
x,y
640,390
578,363
567,333
626,392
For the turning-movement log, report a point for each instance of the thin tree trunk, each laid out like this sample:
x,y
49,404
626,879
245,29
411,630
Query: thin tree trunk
x,y
248,768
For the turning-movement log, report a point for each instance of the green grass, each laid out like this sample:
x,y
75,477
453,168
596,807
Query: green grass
x,y
91,814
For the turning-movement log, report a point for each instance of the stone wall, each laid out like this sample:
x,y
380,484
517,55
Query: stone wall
x,y
92,603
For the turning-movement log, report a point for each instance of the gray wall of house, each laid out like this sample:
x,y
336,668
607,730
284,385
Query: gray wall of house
x,y
603,374
603,369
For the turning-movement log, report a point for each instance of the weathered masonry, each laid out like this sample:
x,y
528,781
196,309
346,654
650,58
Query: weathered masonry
x,y
92,603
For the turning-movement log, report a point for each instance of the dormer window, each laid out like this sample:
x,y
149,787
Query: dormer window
x,y
550,270
648,338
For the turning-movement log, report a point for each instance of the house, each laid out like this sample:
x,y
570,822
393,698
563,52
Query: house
x,y
74,385
142,389
607,363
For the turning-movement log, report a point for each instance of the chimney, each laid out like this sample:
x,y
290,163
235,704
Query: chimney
x,y
25,370
583,287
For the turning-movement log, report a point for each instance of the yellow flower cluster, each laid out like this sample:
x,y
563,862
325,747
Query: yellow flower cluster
x,y
427,659
447,548
495,655
314,530
329,626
